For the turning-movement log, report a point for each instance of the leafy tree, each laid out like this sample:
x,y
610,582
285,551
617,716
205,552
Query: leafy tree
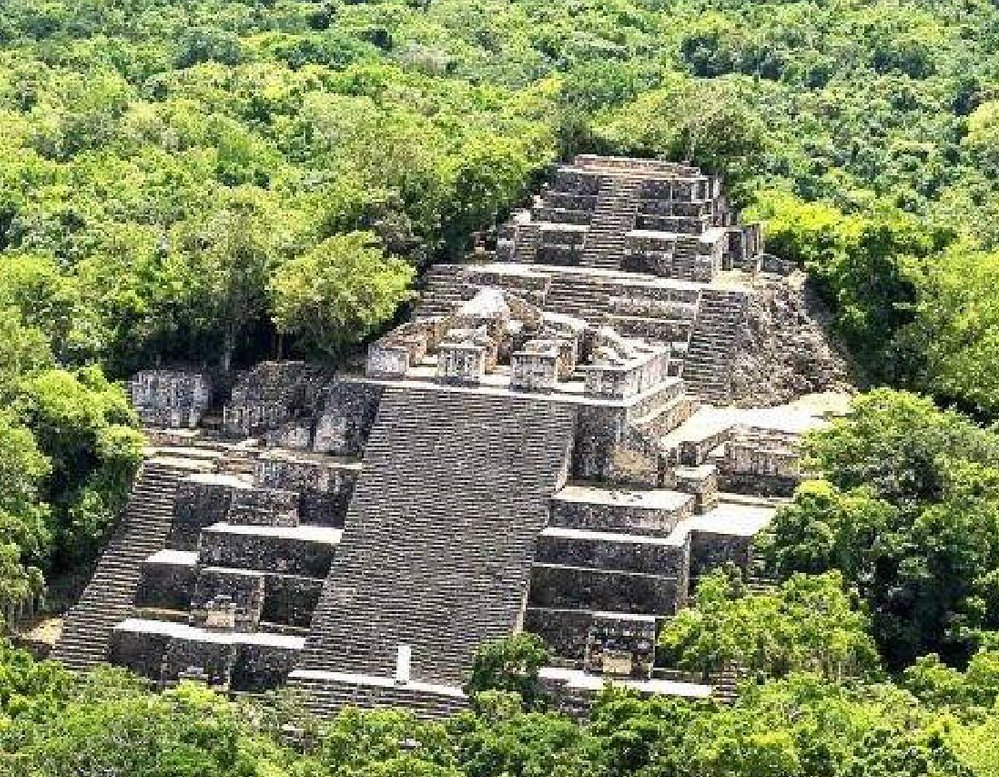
x,y
909,515
339,292
807,624
512,664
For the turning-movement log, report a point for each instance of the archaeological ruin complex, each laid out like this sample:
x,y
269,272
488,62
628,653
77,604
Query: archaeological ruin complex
x,y
569,430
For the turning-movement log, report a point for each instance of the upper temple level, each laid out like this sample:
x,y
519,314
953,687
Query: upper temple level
x,y
646,216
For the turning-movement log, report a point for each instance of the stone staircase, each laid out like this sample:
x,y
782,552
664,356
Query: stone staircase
x,y
707,368
444,289
528,242
108,598
439,537
613,217
325,693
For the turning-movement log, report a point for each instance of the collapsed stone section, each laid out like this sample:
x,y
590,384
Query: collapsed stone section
x,y
439,537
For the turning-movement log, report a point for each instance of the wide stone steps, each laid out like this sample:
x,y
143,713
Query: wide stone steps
x,y
439,536
613,217
443,290
528,242
108,598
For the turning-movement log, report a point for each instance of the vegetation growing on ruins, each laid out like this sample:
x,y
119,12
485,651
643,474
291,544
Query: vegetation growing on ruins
x,y
217,180
936,721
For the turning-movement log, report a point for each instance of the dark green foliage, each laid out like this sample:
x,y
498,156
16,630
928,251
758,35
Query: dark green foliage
x,y
511,666
909,513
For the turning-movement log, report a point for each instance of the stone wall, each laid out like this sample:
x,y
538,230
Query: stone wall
x,y
241,589
266,553
260,668
587,551
571,587
290,599
202,500
174,399
166,586
348,411
324,486
709,550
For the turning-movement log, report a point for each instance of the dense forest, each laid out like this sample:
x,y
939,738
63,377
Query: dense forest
x,y
216,181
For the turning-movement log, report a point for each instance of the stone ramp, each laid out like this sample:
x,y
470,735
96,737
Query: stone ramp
x,y
440,534
109,596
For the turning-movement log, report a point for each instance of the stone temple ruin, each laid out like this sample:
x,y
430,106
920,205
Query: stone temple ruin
x,y
566,434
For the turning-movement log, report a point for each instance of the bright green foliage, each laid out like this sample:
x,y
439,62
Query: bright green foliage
x,y
338,292
185,732
954,343
385,743
83,424
56,725
25,535
806,624
910,515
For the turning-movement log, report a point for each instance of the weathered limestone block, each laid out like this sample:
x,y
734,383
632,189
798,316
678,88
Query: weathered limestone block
x,y
289,600
388,360
213,661
202,500
536,367
302,550
564,631
621,646
621,368
488,308
570,201
294,435
349,410
270,395
562,243
324,486
261,506
465,357
167,580
262,667
400,349
140,652
577,182
653,513
174,399
700,481
596,589
216,588
576,548
709,550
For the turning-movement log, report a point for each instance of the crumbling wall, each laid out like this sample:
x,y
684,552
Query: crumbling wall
x,y
785,348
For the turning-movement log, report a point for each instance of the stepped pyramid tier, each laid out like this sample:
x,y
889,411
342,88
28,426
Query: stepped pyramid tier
x,y
643,216
560,448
